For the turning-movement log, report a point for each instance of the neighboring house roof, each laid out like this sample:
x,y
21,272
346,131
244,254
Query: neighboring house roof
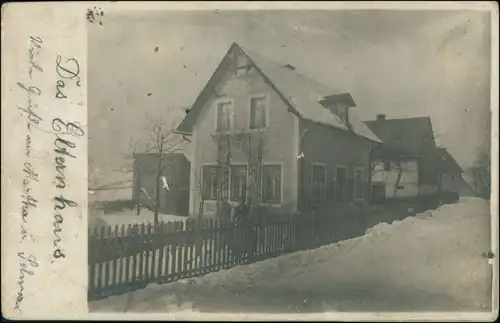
x,y
448,162
302,94
405,135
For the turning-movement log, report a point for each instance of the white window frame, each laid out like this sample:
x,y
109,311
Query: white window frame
x,y
231,179
361,169
312,181
344,198
262,183
202,177
231,118
258,96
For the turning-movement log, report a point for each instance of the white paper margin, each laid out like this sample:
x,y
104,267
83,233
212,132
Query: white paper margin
x,y
59,290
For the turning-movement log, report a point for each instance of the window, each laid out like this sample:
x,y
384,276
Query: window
x,y
271,184
452,177
241,65
224,115
214,181
358,184
209,184
238,182
319,183
258,112
341,180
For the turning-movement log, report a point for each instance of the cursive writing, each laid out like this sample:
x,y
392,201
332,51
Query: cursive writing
x,y
28,201
27,264
68,71
30,176
35,46
66,133
32,92
60,204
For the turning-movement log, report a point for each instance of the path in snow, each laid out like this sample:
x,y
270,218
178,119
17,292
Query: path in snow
x,y
431,262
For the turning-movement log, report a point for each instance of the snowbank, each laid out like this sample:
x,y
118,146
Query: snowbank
x,y
431,261
146,216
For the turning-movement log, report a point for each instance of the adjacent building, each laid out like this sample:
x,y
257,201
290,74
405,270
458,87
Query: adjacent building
x,y
405,166
451,175
174,175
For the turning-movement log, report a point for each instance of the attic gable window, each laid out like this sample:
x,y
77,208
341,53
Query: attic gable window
x,y
224,116
258,112
242,65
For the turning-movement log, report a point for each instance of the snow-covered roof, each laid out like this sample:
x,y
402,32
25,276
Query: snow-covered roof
x,y
300,92
305,95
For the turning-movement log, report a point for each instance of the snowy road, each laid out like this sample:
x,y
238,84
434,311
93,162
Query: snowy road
x,y
431,262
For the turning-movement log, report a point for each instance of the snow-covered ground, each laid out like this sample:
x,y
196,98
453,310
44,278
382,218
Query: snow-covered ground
x,y
431,262
98,218
146,216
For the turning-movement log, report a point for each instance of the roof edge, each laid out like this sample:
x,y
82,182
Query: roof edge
x,y
184,127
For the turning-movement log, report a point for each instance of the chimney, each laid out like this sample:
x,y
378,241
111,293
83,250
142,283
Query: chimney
x,y
290,67
380,117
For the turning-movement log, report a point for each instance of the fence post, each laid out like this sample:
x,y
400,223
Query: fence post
x,y
198,253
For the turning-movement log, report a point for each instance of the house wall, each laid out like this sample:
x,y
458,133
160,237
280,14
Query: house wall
x,y
449,182
455,183
279,138
408,181
333,147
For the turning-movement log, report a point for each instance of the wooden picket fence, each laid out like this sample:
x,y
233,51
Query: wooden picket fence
x,y
123,259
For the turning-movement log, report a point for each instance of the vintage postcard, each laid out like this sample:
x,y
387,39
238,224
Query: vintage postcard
x,y
250,161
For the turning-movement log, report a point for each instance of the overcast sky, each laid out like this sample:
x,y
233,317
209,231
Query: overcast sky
x,y
403,64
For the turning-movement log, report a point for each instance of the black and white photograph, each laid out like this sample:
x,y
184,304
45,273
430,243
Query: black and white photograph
x,y
290,161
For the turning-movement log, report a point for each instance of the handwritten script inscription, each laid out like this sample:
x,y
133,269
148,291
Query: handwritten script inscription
x,y
68,70
66,133
30,177
57,98
27,265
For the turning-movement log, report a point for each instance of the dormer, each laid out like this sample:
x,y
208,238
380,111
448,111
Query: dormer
x,y
339,105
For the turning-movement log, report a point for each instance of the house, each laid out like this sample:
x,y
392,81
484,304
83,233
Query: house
x,y
451,175
404,167
174,182
265,134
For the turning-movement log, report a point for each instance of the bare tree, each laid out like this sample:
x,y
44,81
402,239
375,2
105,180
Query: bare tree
x,y
162,141
400,170
159,139
396,161
481,175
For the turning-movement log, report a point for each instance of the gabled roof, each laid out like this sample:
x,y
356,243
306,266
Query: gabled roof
x,y
447,161
302,94
405,135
